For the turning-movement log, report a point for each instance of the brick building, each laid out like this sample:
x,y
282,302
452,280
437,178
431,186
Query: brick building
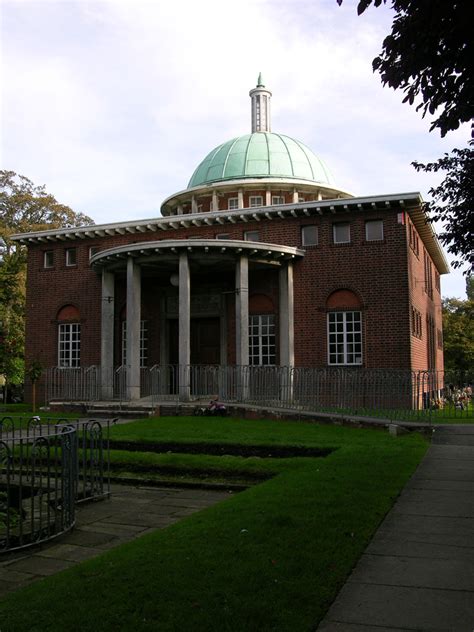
x,y
261,260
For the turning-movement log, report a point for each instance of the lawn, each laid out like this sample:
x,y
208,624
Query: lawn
x,y
270,558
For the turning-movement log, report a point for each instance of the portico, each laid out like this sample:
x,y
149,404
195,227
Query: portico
x,y
181,260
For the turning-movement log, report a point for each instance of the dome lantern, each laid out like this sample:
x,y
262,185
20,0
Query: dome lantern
x,y
260,97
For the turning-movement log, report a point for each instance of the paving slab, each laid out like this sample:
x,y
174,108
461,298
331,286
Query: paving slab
x,y
418,571
415,545
402,608
426,572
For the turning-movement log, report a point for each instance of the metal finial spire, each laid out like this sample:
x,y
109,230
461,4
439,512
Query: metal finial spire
x,y
260,83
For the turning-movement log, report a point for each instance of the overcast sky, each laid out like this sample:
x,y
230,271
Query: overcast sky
x,y
112,104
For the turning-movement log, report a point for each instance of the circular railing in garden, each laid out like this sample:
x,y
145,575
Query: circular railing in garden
x,y
45,469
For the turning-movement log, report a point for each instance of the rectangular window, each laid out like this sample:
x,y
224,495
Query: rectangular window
x,y
278,199
71,256
143,343
252,235
416,323
93,250
428,274
374,230
262,350
255,200
309,235
301,198
69,345
222,236
233,204
48,259
341,233
345,338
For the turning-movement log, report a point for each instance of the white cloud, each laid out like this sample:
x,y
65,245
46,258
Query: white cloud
x,y
112,104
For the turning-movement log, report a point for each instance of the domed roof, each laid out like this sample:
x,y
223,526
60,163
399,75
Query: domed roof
x,y
261,155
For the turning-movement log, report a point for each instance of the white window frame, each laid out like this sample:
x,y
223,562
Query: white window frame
x,y
69,345
93,250
233,204
71,257
278,199
249,235
305,238
255,201
262,340
48,254
377,224
143,343
335,236
344,337
223,236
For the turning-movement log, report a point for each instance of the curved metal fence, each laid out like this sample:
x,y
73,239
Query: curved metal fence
x,y
45,470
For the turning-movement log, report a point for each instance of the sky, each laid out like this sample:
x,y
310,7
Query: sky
x,y
112,104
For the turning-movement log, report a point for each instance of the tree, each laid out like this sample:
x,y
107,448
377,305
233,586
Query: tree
x,y
453,203
24,207
458,333
429,55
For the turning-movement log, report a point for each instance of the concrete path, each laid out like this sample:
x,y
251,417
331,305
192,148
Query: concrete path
x,y
418,571
130,512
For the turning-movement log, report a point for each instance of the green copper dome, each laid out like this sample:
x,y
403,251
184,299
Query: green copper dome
x,y
260,155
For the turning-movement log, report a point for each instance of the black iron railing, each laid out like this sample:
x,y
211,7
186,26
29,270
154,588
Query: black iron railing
x,y
46,468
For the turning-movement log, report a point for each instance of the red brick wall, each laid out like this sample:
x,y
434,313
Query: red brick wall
x,y
386,276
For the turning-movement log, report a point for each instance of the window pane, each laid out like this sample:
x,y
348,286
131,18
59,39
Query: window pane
x,y
252,235
69,345
256,200
71,256
309,235
345,338
262,340
374,230
48,259
233,203
341,233
278,199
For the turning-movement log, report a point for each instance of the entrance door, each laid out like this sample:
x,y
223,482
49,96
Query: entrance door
x,y
205,341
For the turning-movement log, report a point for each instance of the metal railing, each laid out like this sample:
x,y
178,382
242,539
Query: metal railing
x,y
46,468
396,393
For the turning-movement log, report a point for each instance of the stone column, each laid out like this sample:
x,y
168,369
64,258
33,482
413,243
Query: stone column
x,y
268,197
287,328
107,335
193,205
240,194
295,196
184,327
133,328
215,201
242,324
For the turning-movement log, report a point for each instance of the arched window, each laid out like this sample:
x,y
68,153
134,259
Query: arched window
x,y
344,323
69,337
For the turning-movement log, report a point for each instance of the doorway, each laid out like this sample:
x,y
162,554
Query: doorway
x,y
205,341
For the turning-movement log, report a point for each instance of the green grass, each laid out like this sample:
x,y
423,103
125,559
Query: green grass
x,y
270,558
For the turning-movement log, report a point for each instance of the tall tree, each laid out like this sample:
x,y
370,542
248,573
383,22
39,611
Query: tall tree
x,y
458,333
24,207
429,55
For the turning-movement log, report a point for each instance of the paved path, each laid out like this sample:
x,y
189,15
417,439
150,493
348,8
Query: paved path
x,y
418,571
130,512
